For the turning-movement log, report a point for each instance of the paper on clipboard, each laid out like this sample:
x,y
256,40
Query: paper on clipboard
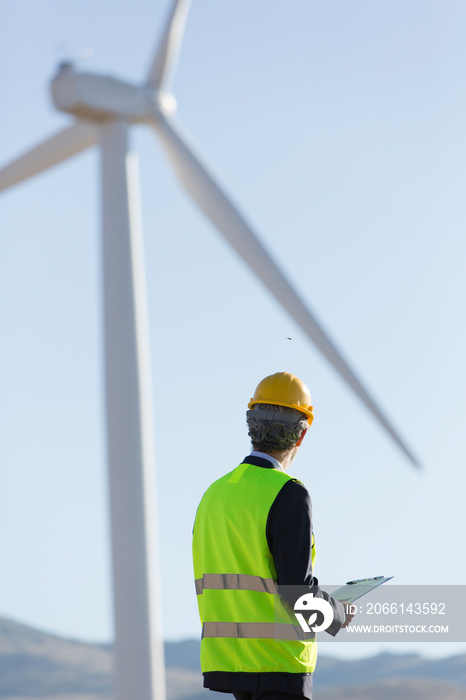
x,y
356,589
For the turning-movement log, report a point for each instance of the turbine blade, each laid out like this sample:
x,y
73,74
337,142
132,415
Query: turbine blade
x,y
203,188
166,58
62,145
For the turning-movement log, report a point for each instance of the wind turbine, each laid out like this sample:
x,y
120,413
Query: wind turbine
x,y
104,107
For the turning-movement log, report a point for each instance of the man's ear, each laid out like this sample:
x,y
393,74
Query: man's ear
x,y
302,437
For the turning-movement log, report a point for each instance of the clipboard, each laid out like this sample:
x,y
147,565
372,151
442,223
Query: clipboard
x,y
356,589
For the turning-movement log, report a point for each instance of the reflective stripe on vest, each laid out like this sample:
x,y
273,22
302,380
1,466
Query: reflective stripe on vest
x,y
235,582
253,630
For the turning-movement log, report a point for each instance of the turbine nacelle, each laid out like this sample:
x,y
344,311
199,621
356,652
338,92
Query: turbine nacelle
x,y
99,98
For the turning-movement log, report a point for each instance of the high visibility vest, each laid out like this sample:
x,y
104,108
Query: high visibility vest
x,y
245,626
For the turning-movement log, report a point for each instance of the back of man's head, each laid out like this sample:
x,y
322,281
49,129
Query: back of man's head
x,y
275,432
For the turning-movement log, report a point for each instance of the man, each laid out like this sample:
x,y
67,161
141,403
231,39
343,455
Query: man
x,y
253,551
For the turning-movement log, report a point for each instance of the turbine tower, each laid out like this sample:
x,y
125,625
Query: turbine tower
x,y
104,107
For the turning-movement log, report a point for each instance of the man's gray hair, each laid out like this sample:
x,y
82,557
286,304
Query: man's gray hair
x,y
275,435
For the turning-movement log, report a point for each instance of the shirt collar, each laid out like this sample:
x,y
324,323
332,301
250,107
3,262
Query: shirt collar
x,y
264,455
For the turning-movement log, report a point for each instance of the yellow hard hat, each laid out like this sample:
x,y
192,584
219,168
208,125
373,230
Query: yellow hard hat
x,y
284,389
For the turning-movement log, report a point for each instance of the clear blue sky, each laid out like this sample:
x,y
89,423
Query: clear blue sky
x,y
339,128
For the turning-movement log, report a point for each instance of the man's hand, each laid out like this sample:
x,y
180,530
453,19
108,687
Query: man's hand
x,y
349,614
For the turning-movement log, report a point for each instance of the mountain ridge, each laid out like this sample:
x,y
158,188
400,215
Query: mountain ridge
x,y
36,664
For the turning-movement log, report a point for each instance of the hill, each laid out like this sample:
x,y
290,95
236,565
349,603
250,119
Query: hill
x,y
35,664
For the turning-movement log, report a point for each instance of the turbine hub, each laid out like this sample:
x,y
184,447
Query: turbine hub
x,y
166,102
